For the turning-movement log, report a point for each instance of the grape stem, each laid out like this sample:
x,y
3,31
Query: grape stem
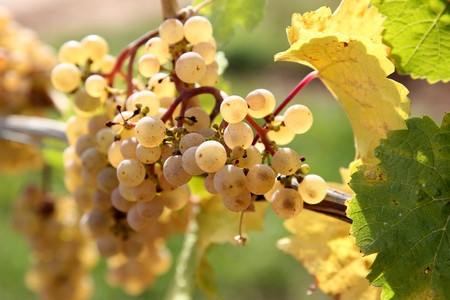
x,y
286,101
260,132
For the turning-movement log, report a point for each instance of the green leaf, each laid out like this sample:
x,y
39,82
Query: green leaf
x,y
401,211
227,15
418,32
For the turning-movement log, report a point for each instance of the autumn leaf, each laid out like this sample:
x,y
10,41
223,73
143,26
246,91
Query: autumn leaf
x,y
402,211
326,250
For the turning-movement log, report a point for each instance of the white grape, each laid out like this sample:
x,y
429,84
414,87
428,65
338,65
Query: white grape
x,y
255,100
251,157
192,139
260,179
148,155
206,50
229,181
131,172
177,198
94,47
298,118
189,163
286,161
148,65
238,134
239,202
174,172
171,31
145,99
201,119
114,154
128,147
210,78
150,131
209,184
197,29
269,105
145,191
286,203
65,77
71,52
157,47
233,109
190,67
95,85
210,156
313,189
283,136
150,209
84,103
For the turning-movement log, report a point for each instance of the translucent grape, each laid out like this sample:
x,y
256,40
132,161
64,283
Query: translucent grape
x,y
286,203
150,131
128,147
206,50
95,85
121,119
210,156
105,65
210,78
197,29
276,186
126,192
238,134
192,139
119,202
65,77
131,172
190,67
114,154
260,179
313,189
150,209
162,85
177,198
84,142
174,172
229,181
94,47
71,52
75,126
189,163
171,31
255,100
148,65
145,191
148,155
107,180
298,118
269,104
93,161
157,47
209,184
97,123
85,104
239,202
286,161
137,222
233,109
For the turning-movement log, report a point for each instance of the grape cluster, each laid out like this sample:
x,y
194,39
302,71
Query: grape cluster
x,y
136,144
61,256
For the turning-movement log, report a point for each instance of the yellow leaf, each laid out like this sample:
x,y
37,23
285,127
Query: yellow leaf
x,y
354,69
353,17
323,245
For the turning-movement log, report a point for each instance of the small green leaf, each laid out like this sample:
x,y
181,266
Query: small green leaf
x,y
418,32
401,211
226,15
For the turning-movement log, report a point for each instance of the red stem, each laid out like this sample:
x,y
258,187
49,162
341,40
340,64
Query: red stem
x,y
260,132
295,91
130,72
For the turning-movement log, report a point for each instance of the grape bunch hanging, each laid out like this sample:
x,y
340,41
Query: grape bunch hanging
x,y
138,138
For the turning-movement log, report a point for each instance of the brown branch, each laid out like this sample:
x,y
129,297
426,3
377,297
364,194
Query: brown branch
x,y
333,205
169,9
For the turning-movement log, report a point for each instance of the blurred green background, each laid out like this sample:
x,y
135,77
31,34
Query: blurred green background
x,y
258,270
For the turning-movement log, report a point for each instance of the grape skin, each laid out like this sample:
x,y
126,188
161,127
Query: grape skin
x,y
238,134
260,179
150,131
229,181
190,67
286,161
239,202
286,203
313,189
210,156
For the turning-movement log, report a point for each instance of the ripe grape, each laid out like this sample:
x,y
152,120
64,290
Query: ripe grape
x,y
283,136
177,198
210,78
238,134
71,52
157,47
313,189
192,139
210,156
66,77
85,104
95,85
189,163
148,65
107,180
209,184
150,209
201,119
269,104
119,202
286,161
206,50
150,131
239,202
197,29
229,181
128,147
260,179
251,157
148,155
190,67
174,172
233,109
298,118
145,191
286,203
131,172
171,31
114,154
94,47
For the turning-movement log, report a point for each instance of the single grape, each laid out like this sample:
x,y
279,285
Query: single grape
x,y
93,161
210,156
107,180
189,163
233,109
171,31
150,131
286,161
115,156
148,65
260,179
206,50
148,155
197,29
108,245
251,157
298,118
255,100
137,222
286,203
229,181
65,77
94,47
85,104
209,184
210,78
119,202
269,104
131,172
313,189
190,67
150,209
192,139
238,134
157,47
283,136
128,147
239,202
174,172
145,191
95,85
177,198
71,52
195,119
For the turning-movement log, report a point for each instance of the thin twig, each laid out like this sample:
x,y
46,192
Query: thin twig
x,y
33,126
